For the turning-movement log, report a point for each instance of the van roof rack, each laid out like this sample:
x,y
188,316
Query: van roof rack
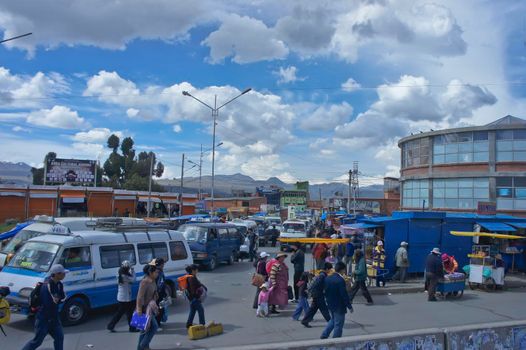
x,y
117,225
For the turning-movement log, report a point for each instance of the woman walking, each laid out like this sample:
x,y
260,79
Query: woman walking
x,y
146,304
279,279
196,292
124,296
262,270
360,276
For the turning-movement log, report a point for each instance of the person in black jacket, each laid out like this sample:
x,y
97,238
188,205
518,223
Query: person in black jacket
x,y
317,292
195,292
337,301
434,271
298,260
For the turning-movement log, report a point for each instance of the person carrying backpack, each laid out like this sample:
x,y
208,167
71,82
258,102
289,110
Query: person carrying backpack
x,y
316,290
51,295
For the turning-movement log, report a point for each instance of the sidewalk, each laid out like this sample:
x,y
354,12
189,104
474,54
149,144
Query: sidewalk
x,y
415,285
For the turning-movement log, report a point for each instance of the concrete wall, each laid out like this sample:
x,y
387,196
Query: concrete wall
x,y
499,335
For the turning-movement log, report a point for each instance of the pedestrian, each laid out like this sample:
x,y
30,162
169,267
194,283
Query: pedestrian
x,y
126,278
147,304
379,263
319,253
337,301
434,271
279,279
126,212
360,276
274,235
252,246
263,297
303,297
47,320
402,262
450,263
298,260
196,292
349,254
262,270
316,291
161,290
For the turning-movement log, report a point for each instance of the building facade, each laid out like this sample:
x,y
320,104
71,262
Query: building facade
x,y
456,169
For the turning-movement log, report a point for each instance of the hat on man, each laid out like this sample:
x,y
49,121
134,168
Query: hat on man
x,y
379,243
334,236
279,255
264,255
57,268
436,251
403,244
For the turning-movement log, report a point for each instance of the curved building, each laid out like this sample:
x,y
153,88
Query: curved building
x,y
455,169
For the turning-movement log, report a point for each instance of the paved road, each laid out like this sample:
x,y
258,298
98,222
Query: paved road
x,y
229,301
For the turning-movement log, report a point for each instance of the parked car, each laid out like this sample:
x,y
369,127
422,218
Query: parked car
x,y
93,258
292,229
212,243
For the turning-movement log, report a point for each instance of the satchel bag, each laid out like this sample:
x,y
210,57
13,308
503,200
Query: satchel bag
x,y
140,321
257,280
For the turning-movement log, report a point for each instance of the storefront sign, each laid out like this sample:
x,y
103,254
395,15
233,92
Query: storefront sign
x,y
487,208
71,171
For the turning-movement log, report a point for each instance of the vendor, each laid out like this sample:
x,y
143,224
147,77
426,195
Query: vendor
x,y
449,263
499,262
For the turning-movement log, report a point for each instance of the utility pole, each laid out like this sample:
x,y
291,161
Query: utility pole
x,y
349,192
200,172
354,184
181,189
149,207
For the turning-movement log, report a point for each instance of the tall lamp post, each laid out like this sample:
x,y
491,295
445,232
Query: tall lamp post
x,y
215,113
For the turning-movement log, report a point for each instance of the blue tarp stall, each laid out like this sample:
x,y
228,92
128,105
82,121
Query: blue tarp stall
x,y
520,224
496,226
360,225
457,246
11,233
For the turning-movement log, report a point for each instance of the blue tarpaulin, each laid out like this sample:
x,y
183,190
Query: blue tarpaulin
x,y
360,225
517,224
497,226
14,230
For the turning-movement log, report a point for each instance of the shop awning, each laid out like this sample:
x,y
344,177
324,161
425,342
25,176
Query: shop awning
x,y
170,201
360,226
124,198
73,198
42,195
13,194
496,226
517,224
152,199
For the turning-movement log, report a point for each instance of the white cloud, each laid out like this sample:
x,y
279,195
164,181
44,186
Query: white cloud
x,y
110,87
246,40
96,135
20,129
177,128
288,75
132,112
460,99
57,117
350,85
287,178
327,117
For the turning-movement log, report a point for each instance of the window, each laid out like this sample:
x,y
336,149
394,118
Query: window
x,y
463,193
223,233
237,232
76,257
414,193
150,251
511,192
415,153
178,251
113,256
464,147
511,146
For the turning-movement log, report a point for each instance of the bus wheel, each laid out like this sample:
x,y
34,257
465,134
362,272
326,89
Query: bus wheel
x,y
75,311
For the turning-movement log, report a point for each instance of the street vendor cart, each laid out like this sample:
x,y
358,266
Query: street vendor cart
x,y
452,285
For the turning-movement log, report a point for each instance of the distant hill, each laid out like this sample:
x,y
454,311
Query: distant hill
x,y
225,185
15,173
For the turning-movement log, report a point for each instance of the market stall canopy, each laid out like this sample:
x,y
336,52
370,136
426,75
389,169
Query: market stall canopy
x,y
485,234
496,226
314,240
517,224
73,198
152,199
359,226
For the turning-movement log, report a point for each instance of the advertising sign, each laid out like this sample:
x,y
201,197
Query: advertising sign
x,y
71,171
486,208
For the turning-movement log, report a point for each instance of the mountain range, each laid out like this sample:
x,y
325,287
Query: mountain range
x,y
224,185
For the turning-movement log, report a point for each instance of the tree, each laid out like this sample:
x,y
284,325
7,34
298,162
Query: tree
x,y
159,169
113,142
38,173
127,146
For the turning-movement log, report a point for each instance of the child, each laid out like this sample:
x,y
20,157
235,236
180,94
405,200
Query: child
x,y
264,294
303,302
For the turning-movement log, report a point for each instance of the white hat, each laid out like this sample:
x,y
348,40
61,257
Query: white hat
x,y
436,251
379,243
264,255
57,268
403,243
334,236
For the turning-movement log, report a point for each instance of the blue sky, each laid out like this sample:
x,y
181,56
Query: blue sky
x,y
333,81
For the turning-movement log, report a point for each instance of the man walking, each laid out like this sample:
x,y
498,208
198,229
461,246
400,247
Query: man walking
x,y
298,260
48,318
402,262
317,292
434,271
337,301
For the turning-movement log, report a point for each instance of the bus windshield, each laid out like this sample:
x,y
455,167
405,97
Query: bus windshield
x,y
35,256
194,233
294,227
19,239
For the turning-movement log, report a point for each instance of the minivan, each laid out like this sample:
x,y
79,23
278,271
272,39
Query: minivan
x,y
98,254
212,243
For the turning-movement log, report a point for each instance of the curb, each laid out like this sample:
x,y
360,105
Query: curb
x,y
420,289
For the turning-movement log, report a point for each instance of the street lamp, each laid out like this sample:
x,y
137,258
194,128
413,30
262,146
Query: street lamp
x,y
215,114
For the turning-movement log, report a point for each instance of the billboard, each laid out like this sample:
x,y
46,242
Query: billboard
x,y
71,171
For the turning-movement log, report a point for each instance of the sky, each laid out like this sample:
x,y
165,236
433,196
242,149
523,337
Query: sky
x,y
332,82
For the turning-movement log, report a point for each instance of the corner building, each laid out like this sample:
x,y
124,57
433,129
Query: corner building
x,y
455,169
